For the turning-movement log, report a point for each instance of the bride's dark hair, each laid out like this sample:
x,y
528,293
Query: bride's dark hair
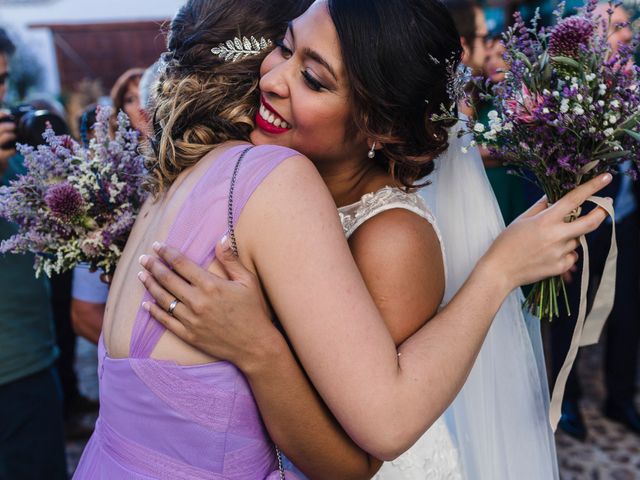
x,y
397,54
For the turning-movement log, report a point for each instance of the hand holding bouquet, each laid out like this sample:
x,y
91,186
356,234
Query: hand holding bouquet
x,y
568,110
75,204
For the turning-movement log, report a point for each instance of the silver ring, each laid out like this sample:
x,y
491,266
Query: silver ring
x,y
173,306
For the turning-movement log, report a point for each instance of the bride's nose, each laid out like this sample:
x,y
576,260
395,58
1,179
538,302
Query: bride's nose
x,y
275,81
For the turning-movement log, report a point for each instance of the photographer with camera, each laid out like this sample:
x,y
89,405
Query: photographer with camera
x,y
31,427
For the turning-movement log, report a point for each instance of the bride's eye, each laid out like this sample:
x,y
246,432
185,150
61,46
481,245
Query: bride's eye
x,y
284,50
313,83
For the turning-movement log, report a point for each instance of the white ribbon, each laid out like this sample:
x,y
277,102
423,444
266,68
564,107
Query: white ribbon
x,y
588,328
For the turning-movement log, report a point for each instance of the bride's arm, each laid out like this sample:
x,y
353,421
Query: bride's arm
x,y
383,401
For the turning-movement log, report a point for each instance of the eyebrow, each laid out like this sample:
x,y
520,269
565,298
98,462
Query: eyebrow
x,y
313,55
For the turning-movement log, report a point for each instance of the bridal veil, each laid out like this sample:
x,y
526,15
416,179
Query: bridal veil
x,y
499,419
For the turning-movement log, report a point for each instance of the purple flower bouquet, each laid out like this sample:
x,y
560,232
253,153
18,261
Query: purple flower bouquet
x,y
567,110
75,204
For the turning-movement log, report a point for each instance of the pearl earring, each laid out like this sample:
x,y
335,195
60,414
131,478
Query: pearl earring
x,y
372,152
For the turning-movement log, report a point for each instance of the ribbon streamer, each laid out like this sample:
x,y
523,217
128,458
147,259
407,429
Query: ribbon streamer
x,y
588,329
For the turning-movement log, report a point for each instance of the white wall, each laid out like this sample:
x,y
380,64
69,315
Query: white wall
x,y
17,15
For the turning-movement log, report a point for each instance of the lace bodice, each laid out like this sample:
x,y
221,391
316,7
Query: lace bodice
x,y
387,198
434,456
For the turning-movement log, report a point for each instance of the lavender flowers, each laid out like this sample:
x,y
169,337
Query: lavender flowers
x,y
76,204
567,110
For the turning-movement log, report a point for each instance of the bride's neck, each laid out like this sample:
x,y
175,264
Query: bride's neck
x,y
348,184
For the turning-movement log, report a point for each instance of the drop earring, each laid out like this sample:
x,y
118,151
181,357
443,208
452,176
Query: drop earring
x,y
372,152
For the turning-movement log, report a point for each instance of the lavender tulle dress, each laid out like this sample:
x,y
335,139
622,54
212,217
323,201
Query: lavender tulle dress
x,y
159,420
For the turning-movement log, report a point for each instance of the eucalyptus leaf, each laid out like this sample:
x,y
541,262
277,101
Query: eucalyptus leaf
x,y
566,61
632,121
612,155
589,166
632,134
524,58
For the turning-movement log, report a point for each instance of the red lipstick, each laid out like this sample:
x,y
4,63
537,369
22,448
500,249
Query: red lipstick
x,y
266,111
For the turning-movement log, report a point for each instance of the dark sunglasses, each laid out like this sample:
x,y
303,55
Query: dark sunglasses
x,y
4,77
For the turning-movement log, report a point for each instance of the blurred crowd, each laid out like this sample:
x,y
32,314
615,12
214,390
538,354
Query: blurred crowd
x,y
40,402
40,319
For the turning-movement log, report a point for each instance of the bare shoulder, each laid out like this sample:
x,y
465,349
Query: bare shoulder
x,y
401,233
399,255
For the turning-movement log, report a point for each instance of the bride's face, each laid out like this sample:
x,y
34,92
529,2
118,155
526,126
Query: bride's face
x,y
305,92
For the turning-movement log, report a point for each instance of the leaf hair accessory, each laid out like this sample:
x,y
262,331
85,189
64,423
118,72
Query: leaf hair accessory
x,y
239,48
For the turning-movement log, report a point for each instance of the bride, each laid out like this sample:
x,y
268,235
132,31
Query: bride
x,y
337,66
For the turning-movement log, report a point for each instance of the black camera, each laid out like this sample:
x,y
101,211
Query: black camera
x,y
31,124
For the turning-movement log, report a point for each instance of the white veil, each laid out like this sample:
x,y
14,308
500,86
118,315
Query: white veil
x,y
499,420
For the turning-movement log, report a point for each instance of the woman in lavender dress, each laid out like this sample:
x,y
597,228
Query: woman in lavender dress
x,y
170,410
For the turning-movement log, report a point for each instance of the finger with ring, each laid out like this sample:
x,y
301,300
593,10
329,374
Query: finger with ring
x,y
173,306
159,294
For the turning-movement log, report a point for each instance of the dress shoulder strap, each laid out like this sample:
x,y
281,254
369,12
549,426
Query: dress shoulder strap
x,y
207,215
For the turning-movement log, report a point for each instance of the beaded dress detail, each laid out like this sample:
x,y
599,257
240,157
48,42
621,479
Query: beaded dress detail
x,y
434,456
161,420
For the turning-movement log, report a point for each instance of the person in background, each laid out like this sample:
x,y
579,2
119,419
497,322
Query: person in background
x,y
31,426
623,328
89,297
472,27
125,96
509,189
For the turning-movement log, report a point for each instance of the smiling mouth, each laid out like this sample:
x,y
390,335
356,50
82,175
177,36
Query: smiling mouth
x,y
267,119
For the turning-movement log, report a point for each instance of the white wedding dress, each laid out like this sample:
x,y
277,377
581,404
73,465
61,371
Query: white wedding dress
x,y
433,456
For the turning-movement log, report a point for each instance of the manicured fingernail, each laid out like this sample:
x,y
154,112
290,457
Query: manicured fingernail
x,y
143,276
144,259
156,247
607,178
225,242
146,306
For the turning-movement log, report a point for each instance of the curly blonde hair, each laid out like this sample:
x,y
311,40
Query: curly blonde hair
x,y
201,101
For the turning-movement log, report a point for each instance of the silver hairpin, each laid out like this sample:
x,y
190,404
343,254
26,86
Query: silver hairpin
x,y
239,48
434,60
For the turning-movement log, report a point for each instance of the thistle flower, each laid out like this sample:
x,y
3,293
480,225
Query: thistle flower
x,y
64,201
524,105
569,36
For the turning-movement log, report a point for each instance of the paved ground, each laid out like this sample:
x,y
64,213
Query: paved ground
x,y
610,452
